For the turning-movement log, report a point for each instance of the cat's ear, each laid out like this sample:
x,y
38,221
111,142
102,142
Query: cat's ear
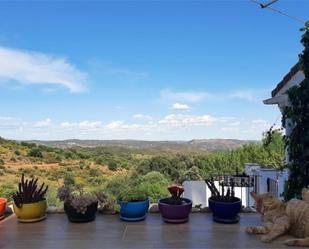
x,y
254,196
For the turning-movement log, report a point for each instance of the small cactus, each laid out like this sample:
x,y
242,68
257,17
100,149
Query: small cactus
x,y
29,192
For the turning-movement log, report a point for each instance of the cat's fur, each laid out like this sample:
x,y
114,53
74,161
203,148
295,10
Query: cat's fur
x,y
280,218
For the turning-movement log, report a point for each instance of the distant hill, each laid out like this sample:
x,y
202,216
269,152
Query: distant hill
x,y
196,144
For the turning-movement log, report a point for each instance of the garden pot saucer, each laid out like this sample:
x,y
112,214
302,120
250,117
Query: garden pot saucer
x,y
226,221
81,220
32,220
175,221
133,219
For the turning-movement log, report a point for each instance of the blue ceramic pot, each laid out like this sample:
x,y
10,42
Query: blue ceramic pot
x,y
225,212
133,210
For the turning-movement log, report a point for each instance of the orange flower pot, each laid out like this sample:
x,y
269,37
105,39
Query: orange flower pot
x,y
3,202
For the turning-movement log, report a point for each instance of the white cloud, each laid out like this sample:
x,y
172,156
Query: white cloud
x,y
115,125
181,107
83,125
141,116
190,96
138,116
244,94
6,118
187,120
27,67
43,123
177,126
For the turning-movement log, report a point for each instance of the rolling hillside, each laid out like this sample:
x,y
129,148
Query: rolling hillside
x,y
210,145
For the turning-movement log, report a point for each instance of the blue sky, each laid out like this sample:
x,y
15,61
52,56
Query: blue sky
x,y
153,70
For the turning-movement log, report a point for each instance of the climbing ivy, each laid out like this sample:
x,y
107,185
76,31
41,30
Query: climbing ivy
x,y
296,116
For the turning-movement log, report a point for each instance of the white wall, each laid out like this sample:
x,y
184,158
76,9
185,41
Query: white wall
x,y
199,193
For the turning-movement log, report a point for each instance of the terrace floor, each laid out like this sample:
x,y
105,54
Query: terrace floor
x,y
107,231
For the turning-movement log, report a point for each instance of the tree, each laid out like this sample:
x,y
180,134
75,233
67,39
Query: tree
x,y
296,116
273,144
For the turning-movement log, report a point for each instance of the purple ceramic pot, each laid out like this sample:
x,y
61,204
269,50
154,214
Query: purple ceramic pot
x,y
175,213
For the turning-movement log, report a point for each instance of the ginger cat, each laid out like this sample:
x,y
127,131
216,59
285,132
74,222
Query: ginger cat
x,y
280,218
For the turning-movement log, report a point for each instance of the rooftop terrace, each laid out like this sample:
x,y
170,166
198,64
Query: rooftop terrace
x,y
107,231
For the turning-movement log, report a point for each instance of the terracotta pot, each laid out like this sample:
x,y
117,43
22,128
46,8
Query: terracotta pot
x,y
3,202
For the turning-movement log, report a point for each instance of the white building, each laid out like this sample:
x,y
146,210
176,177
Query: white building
x,y
279,96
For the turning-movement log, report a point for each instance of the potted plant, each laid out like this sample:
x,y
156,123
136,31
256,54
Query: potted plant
x,y
29,201
3,202
80,206
175,209
134,203
225,206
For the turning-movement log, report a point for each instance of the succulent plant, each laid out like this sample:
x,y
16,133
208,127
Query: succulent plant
x,y
79,199
215,193
29,192
176,192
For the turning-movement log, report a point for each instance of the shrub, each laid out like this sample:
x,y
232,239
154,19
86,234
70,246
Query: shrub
x,y
35,152
1,162
7,191
112,166
52,157
154,177
94,172
99,160
17,152
192,174
68,155
28,145
116,184
155,185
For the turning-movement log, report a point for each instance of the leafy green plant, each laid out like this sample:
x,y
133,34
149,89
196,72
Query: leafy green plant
x,y
296,117
133,193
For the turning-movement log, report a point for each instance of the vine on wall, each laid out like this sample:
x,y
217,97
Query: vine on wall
x,y
297,117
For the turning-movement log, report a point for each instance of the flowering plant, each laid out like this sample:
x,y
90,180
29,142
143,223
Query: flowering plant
x,y
176,192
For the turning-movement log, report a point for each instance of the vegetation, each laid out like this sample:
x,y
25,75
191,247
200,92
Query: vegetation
x,y
79,199
120,171
297,117
228,196
29,192
176,192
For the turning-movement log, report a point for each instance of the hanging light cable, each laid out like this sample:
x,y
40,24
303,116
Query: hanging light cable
x,y
267,6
